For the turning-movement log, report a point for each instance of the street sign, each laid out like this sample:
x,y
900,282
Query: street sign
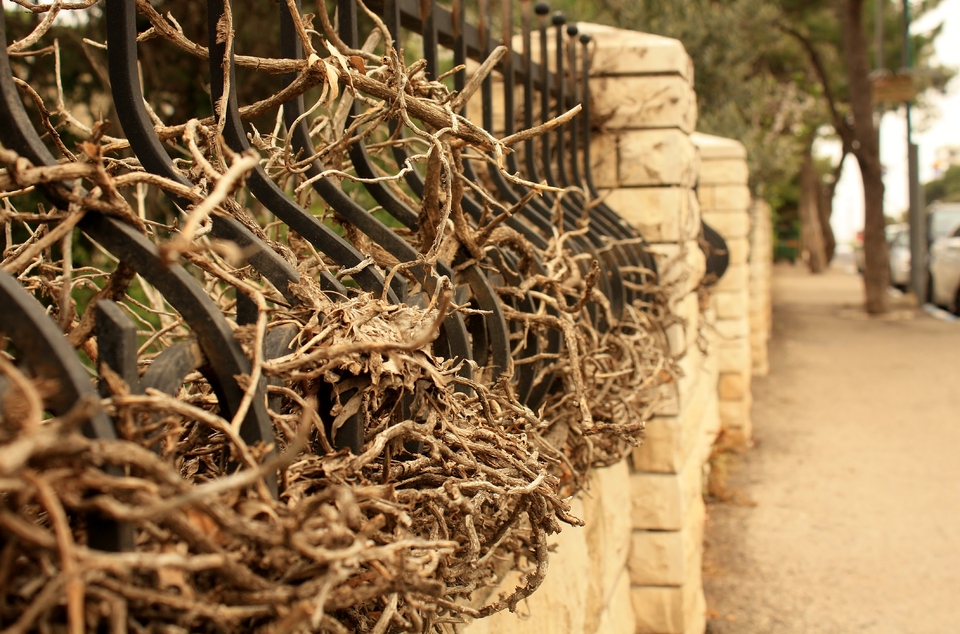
x,y
893,88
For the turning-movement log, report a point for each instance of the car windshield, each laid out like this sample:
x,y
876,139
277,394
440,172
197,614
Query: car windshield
x,y
942,221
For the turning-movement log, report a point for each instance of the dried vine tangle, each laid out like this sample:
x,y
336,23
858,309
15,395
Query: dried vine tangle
x,y
381,541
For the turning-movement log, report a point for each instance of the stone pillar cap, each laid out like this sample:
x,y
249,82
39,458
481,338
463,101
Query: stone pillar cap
x,y
718,147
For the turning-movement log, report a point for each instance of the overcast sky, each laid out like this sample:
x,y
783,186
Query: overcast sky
x,y
943,129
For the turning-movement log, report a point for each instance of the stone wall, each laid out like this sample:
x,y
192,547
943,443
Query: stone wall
x,y
643,90
725,203
761,273
640,572
587,587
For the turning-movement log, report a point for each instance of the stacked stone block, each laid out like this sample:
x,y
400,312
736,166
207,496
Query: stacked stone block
x,y
725,203
639,571
587,587
643,93
761,279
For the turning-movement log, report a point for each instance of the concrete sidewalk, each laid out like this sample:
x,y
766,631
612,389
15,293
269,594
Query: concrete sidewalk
x,y
846,514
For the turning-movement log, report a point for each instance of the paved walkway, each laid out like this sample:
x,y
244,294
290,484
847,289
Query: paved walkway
x,y
846,514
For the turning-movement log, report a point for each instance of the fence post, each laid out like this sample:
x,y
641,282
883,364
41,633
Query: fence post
x,y
725,201
645,103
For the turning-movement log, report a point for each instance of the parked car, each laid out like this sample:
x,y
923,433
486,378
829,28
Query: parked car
x,y
945,271
898,246
942,219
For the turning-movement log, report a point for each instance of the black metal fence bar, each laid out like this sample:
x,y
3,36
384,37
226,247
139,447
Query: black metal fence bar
x,y
608,250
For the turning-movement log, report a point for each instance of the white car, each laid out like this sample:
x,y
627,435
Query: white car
x,y
892,233
898,244
945,272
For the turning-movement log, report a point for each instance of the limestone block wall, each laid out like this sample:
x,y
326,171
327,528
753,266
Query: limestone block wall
x,y
643,91
725,203
587,586
635,567
761,272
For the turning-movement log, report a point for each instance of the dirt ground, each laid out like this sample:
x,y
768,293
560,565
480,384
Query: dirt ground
x,y
845,516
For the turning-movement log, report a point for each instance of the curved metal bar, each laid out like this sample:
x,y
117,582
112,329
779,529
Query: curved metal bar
x,y
573,205
120,18
454,330
613,225
482,292
546,81
571,213
222,352
391,18
610,281
529,391
476,43
268,192
716,250
48,355
542,10
533,230
392,15
627,231
537,219
553,338
215,336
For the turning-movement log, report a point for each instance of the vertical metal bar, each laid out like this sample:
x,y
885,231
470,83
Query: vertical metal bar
x,y
429,28
459,47
919,237
46,352
585,113
506,34
543,9
558,21
116,346
247,310
486,87
575,179
528,146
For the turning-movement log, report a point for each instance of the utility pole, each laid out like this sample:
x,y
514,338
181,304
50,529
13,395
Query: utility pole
x,y
918,225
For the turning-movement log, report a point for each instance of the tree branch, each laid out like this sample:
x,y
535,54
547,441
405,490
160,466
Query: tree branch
x,y
839,123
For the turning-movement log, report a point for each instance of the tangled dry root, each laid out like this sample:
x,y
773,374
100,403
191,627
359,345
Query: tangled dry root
x,y
455,484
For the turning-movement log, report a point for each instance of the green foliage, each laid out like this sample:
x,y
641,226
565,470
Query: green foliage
x,y
756,70
946,188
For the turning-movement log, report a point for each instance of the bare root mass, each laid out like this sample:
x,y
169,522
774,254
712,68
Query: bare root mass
x,y
455,483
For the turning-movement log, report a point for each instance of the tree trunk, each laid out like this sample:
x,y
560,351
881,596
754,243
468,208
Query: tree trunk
x,y
810,215
866,148
825,207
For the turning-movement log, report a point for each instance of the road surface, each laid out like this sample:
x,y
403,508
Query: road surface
x,y
845,516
